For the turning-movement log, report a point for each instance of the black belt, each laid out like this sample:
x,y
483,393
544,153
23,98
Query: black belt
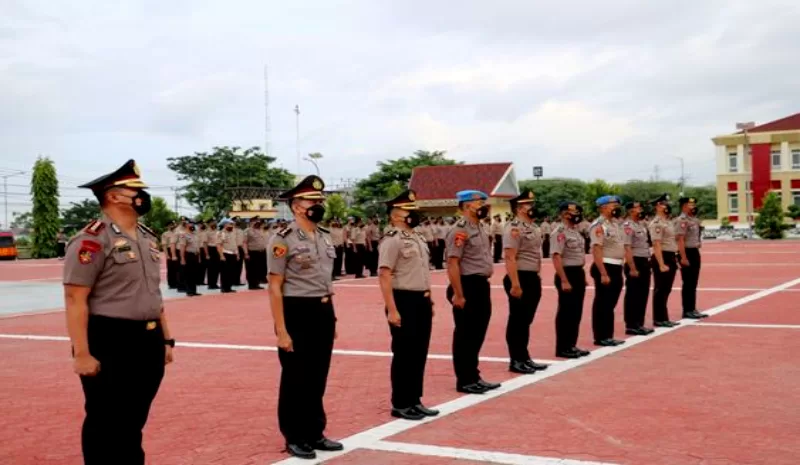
x,y
147,325
410,291
323,299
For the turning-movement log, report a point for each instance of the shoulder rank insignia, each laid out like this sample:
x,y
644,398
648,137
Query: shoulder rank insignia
x,y
325,230
284,232
94,227
515,223
147,230
461,223
390,233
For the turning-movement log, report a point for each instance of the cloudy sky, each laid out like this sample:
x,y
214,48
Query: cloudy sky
x,y
585,89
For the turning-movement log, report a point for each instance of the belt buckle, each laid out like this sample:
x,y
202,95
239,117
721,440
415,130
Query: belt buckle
x,y
151,325
325,299
427,293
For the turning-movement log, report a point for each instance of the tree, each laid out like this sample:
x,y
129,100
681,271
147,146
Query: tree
x,y
44,191
769,222
551,192
725,223
646,191
21,220
159,216
212,175
793,211
79,214
706,200
335,207
593,191
394,174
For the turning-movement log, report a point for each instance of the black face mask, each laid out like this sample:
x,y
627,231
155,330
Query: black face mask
x,y
191,228
616,212
576,218
482,212
315,213
693,211
141,203
203,227
229,228
531,213
667,210
412,220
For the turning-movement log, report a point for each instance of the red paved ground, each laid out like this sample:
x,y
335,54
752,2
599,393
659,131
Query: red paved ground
x,y
395,458
781,308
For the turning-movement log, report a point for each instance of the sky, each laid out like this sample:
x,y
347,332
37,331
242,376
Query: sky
x,y
584,89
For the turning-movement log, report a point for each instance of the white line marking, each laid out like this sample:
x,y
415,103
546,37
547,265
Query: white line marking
x,y
366,438
749,325
674,288
475,455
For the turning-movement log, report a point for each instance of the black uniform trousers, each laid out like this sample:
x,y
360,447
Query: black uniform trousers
x,y
546,246
373,258
237,280
605,301
471,323
119,396
662,285
311,324
570,308
359,257
637,290
213,267
438,254
498,247
202,267
61,248
690,275
229,267
256,266
180,273
337,262
189,271
410,344
521,312
172,271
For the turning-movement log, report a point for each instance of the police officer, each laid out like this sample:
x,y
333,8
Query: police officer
x,y
405,282
166,241
522,240
469,267
115,319
687,230
189,252
569,257
228,255
546,229
255,253
300,285
608,253
663,261
637,271
213,255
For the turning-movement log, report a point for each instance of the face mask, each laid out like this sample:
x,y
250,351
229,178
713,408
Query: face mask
x,y
616,212
191,228
315,213
531,212
667,209
412,220
228,228
141,203
482,212
693,210
576,218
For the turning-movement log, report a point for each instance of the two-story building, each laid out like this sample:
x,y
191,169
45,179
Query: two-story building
x,y
750,165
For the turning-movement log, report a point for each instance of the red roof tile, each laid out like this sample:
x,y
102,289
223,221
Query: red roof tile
x,y
789,123
442,182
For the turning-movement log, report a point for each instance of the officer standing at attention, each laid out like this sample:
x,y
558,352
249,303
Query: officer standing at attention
x,y
663,261
255,253
608,253
469,267
213,255
687,230
637,271
522,241
116,320
189,251
569,258
166,241
300,286
405,281
546,229
228,255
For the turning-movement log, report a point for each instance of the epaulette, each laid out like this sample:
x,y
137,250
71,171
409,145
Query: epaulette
x,y
461,223
325,230
390,233
147,230
515,223
94,227
560,227
285,231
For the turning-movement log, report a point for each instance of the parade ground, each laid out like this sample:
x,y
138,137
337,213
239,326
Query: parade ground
x,y
721,391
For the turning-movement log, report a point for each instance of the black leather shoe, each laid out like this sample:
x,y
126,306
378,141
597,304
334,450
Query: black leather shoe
x,y
428,412
581,352
692,315
521,367
605,343
488,386
571,353
536,366
666,324
646,331
409,413
633,332
326,444
302,451
473,388
617,342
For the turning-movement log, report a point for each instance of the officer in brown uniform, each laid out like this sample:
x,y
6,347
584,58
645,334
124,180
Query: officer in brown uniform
x,y
522,240
663,262
405,282
608,253
337,236
229,256
255,253
166,248
189,252
115,319
546,228
201,233
212,242
687,230
569,258
469,267
300,285
637,271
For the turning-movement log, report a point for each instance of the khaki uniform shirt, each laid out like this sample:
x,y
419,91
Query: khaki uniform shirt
x,y
663,230
569,243
526,238
636,231
407,255
239,235
228,241
373,233
546,228
470,244
337,236
166,239
305,262
608,234
212,238
190,240
358,236
348,233
688,227
255,239
496,228
441,232
173,239
124,273
427,232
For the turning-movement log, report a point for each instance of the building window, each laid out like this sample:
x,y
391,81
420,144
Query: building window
x,y
733,163
776,159
796,198
733,203
796,159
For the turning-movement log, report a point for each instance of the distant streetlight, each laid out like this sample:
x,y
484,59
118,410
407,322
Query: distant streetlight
x,y
5,193
748,199
312,158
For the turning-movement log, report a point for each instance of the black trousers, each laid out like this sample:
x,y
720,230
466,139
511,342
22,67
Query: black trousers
x,y
570,308
410,344
637,290
662,285
373,258
359,258
237,280
229,268
189,272
605,301
61,249
180,273
471,323
498,247
546,246
690,275
172,271
439,254
118,398
520,313
311,324
256,267
202,267
337,262
213,267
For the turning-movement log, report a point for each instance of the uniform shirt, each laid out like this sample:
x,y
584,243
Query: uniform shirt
x,y
546,228
427,232
305,262
228,241
496,228
124,273
373,233
527,239
212,238
173,239
470,243
688,227
190,240
636,232
441,231
166,239
239,236
348,233
569,243
337,236
608,234
255,240
358,236
407,255
662,230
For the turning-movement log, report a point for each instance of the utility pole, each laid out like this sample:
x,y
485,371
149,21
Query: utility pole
x,y
683,176
175,193
748,199
297,133
267,127
5,194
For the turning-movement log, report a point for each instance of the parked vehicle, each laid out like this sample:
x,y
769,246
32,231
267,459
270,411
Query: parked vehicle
x,y
8,246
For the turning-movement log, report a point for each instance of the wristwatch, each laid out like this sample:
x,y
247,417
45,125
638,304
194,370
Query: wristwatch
x,y
169,342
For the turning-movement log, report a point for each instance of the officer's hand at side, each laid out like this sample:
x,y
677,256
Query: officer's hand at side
x,y
168,358
516,291
86,365
394,318
459,302
285,342
605,279
635,273
664,268
684,262
565,286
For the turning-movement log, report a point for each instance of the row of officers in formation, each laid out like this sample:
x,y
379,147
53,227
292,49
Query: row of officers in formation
x,y
121,340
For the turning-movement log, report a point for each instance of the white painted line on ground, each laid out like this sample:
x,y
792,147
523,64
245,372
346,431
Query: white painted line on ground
x,y
475,455
371,436
674,288
749,325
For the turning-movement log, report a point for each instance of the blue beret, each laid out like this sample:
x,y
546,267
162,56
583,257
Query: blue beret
x,y
606,199
225,221
470,195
